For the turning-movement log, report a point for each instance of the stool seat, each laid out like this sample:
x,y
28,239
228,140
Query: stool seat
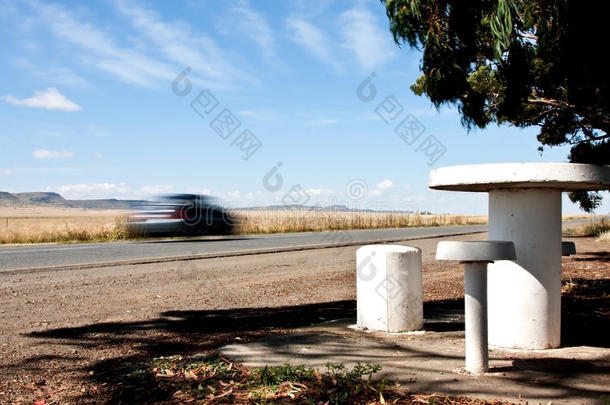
x,y
568,248
475,251
476,255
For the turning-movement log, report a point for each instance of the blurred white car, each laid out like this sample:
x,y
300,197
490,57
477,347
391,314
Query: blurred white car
x,y
181,214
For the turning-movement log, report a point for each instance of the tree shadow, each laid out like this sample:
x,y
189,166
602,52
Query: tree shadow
x,y
126,376
192,332
444,315
585,313
592,257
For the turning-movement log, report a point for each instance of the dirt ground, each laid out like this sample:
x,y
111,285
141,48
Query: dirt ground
x,y
63,334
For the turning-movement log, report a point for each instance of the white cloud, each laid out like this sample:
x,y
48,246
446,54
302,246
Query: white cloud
x,y
51,99
92,190
98,155
370,42
52,154
316,192
108,190
313,39
384,185
234,194
194,190
255,26
157,189
382,188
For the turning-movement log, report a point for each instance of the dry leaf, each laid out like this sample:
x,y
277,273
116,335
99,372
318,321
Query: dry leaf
x,y
166,374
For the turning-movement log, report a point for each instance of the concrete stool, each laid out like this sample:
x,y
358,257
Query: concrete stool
x,y
476,255
389,288
568,248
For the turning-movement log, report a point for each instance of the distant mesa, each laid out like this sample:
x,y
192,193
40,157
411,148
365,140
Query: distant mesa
x,y
48,199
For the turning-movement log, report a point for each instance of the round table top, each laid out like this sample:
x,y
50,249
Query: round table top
x,y
485,177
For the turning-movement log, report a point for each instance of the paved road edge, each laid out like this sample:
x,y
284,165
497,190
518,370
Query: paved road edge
x,y
168,259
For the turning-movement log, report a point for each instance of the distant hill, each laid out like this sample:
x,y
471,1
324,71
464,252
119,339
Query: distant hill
x,y
47,199
7,199
42,198
335,208
108,204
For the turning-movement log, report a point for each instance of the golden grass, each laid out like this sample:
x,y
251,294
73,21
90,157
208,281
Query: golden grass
x,y
604,236
282,221
25,229
56,212
592,229
68,225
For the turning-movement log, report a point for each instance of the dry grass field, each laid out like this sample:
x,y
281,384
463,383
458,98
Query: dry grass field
x,y
49,224
281,221
70,225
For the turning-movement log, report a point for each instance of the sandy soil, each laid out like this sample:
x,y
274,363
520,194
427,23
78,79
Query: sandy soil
x,y
61,332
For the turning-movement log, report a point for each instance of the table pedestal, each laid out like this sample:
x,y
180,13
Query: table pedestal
x,y
524,296
475,314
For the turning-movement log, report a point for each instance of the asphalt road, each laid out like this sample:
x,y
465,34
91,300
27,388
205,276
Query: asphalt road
x,y
95,254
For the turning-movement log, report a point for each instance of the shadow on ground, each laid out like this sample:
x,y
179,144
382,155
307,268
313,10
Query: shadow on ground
x,y
593,257
585,313
125,379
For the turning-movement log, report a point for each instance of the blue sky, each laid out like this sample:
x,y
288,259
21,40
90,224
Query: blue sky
x,y
93,106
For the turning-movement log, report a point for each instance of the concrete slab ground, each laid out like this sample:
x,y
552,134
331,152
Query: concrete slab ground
x,y
433,361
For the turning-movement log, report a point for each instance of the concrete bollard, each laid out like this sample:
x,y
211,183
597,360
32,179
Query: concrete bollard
x,y
389,288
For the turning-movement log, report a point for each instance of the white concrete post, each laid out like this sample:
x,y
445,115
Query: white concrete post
x,y
475,300
389,288
525,295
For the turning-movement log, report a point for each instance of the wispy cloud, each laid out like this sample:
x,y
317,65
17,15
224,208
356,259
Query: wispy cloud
x,y
52,154
255,26
50,99
363,34
313,39
184,47
265,115
29,170
56,75
100,48
165,48
323,122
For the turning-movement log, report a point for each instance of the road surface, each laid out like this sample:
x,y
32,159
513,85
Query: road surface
x,y
152,251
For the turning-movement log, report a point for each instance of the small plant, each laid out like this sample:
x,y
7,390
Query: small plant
x,y
273,376
595,229
210,379
604,236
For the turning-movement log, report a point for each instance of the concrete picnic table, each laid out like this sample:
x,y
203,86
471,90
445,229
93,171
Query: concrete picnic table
x,y
524,296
